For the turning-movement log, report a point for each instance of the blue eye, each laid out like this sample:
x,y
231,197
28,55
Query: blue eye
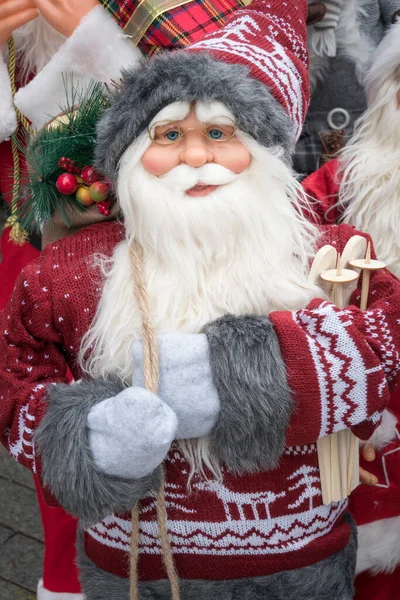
x,y
216,134
172,136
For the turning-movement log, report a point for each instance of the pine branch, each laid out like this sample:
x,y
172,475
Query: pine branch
x,y
71,134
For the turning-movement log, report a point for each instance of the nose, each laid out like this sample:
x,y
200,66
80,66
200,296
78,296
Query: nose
x,y
196,151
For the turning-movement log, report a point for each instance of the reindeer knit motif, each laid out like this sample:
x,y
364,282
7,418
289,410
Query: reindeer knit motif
x,y
253,524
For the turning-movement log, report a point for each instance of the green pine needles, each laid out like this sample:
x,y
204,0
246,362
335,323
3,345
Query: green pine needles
x,y
72,134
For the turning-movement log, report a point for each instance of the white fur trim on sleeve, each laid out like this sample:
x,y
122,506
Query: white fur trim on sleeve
x,y
96,50
379,546
8,119
386,432
43,594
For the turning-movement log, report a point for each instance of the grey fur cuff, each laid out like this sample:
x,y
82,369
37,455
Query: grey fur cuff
x,y
68,466
256,402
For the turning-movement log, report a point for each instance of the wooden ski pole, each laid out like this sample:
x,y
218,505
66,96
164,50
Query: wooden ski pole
x,y
366,265
334,450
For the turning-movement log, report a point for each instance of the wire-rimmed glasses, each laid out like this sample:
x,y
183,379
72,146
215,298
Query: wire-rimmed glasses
x,y
165,133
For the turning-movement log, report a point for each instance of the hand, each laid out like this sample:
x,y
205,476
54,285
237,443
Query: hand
x,y
65,15
14,14
368,452
185,382
369,455
131,433
316,12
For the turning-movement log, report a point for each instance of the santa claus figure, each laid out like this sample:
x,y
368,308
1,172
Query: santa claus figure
x,y
361,189
213,446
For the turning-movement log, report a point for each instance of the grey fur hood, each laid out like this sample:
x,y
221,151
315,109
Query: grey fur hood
x,y
187,76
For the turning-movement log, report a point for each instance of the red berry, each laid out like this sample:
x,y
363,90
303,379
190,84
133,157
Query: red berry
x,y
90,175
67,184
104,207
99,191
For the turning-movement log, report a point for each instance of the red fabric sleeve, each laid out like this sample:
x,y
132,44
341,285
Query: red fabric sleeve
x,y
323,188
13,259
342,364
30,347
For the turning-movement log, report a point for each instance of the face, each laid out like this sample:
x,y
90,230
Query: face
x,y
202,143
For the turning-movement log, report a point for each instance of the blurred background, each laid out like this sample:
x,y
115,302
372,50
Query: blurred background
x,y
21,534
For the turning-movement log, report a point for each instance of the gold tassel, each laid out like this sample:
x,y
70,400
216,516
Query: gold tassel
x,y
17,234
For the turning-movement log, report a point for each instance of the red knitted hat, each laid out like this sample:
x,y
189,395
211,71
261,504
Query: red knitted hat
x,y
270,39
256,65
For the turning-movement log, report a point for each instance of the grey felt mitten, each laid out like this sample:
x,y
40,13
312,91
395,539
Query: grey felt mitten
x,y
131,433
185,383
68,466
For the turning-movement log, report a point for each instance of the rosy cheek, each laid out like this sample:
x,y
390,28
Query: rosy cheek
x,y
158,161
241,161
235,157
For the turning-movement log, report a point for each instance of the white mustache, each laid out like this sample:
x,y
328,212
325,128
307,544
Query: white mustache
x,y
185,177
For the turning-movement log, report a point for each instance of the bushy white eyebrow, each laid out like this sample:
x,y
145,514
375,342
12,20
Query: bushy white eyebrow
x,y
176,111
207,112
213,112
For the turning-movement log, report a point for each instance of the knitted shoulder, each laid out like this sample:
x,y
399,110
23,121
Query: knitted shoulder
x,y
32,288
69,265
29,273
98,238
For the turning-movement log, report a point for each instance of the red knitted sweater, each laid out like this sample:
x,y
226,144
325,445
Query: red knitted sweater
x,y
340,363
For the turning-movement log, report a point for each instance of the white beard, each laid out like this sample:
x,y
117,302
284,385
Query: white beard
x,y
370,186
36,44
244,248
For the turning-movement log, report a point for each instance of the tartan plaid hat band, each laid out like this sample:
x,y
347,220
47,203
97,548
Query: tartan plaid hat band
x,y
256,65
